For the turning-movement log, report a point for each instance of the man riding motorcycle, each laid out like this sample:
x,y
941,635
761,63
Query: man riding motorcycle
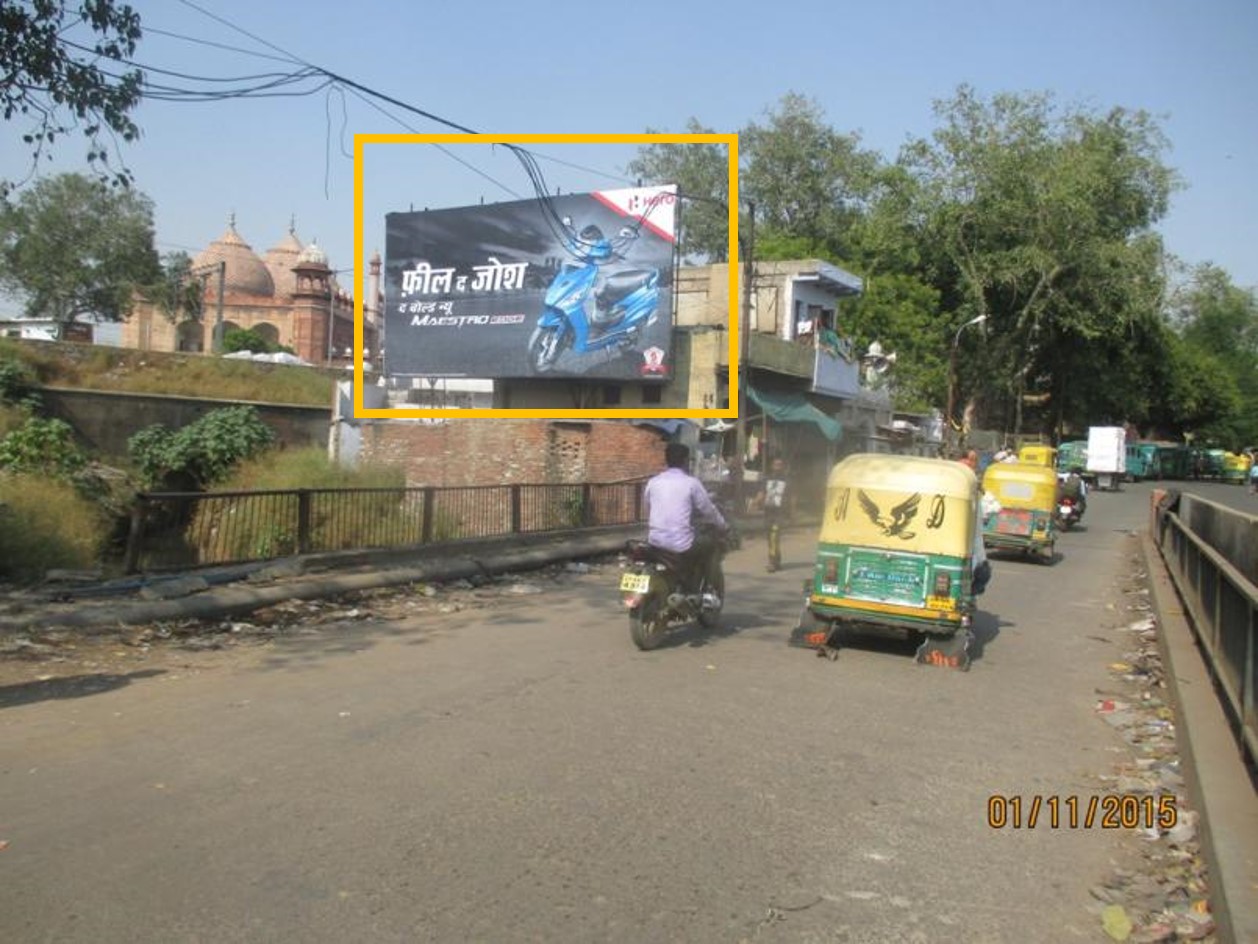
x,y
673,498
1073,486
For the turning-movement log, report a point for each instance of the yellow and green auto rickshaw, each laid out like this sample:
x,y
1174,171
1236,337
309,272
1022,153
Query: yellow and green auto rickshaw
x,y
1038,454
1028,500
1236,467
895,556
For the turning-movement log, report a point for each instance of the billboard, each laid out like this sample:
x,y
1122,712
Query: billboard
x,y
574,286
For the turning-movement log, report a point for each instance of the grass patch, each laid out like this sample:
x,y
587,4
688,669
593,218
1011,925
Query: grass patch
x,y
46,524
91,367
261,526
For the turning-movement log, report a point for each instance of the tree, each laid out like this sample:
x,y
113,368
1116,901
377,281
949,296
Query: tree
x,y
806,179
177,293
701,172
72,246
1218,323
59,85
1040,219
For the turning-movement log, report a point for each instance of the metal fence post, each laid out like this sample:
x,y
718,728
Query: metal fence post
x,y
135,537
516,510
303,521
425,528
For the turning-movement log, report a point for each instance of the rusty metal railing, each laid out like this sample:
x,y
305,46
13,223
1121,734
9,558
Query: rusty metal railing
x,y
175,530
1222,603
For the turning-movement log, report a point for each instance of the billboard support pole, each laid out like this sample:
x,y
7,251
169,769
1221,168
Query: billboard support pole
x,y
744,346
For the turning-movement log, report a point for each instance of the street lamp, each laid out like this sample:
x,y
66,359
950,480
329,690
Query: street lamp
x,y
952,375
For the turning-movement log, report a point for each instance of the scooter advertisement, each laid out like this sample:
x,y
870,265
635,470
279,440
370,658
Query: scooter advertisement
x,y
578,285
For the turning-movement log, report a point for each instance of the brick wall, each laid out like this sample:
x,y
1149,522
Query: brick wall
x,y
504,451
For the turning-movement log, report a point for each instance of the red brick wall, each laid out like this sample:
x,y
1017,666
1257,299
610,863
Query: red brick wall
x,y
504,451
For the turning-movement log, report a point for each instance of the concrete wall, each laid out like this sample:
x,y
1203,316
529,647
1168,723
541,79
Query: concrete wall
x,y
1232,533
104,421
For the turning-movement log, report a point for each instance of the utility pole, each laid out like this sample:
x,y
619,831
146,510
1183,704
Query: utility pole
x,y
744,348
952,443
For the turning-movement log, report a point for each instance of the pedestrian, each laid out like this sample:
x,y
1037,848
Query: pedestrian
x,y
1253,477
775,500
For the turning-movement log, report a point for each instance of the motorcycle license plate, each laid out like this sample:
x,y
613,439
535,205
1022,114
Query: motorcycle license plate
x,y
635,583
1063,510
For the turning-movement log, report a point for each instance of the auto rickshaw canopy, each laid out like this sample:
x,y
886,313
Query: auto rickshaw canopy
x,y
1022,485
901,503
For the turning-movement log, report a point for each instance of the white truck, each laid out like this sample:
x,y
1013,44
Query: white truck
x,y
1107,455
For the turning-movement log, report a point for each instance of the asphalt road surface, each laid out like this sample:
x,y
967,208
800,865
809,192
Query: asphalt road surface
x,y
519,772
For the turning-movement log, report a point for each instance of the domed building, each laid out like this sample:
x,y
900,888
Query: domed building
x,y
289,295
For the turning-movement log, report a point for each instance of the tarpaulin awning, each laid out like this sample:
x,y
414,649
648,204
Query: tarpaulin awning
x,y
794,408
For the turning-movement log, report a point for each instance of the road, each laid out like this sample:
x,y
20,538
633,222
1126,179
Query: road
x,y
519,772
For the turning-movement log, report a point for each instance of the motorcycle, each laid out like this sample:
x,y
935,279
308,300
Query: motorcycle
x,y
587,311
1069,512
652,590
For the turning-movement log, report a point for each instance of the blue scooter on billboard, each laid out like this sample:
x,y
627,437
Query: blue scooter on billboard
x,y
585,310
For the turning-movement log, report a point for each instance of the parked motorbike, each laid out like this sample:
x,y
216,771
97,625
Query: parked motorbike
x,y
585,310
652,590
1069,512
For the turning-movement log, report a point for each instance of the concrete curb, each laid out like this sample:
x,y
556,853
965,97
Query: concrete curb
x,y
1222,790
219,602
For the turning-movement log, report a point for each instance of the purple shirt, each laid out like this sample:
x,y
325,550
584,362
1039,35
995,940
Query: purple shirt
x,y
671,498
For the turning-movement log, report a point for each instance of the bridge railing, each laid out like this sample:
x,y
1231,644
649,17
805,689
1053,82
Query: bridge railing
x,y
1211,553
178,530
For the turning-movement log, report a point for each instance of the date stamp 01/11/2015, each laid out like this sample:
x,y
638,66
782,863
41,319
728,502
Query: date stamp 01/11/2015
x,y
1069,811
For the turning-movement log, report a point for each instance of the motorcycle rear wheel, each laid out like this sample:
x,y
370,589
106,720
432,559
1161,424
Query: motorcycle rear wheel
x,y
710,616
647,625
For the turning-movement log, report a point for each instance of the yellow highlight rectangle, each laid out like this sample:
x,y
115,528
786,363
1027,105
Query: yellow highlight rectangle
x,y
730,140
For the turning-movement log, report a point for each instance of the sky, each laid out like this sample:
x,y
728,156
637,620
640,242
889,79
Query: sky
x,y
502,67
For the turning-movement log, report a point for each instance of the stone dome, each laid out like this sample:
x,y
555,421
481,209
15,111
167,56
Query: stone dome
x,y
245,274
312,255
280,260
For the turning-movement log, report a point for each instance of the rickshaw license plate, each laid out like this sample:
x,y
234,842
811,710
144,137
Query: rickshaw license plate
x,y
1015,523
635,583
941,603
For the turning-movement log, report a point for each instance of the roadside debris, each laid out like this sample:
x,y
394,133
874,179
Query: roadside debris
x,y
1164,898
56,653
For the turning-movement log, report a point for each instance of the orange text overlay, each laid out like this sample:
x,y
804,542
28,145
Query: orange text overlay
x,y
1070,811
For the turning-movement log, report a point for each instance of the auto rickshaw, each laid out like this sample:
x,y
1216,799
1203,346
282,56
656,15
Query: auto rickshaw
x,y
1037,454
1236,468
895,556
1028,499
1072,455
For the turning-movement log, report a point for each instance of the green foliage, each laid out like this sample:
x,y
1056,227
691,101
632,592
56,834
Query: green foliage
x,y
17,383
247,339
55,87
111,368
701,172
806,179
45,523
902,313
1219,328
308,467
1040,218
248,527
42,447
203,452
178,293
72,247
